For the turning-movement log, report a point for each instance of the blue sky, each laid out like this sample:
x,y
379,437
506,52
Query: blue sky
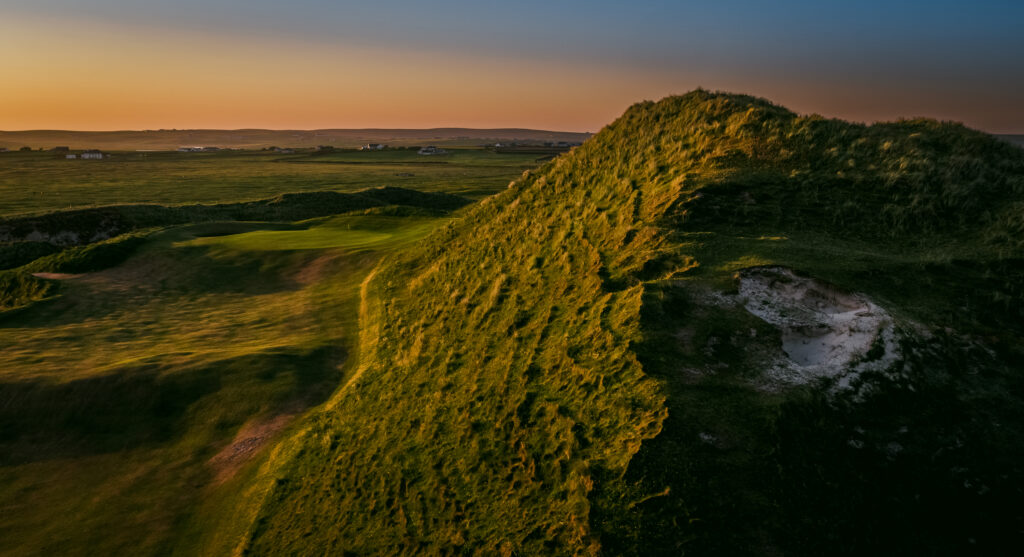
x,y
866,60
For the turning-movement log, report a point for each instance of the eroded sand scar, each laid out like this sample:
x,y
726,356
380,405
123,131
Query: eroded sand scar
x,y
57,276
252,437
825,332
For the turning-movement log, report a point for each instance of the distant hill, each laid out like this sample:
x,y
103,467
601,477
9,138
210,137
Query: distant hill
x,y
1018,139
717,328
258,139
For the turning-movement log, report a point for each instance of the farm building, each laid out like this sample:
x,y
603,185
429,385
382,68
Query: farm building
x,y
373,147
92,154
71,156
431,150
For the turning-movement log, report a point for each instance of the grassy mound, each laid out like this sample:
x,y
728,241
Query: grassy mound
x,y
84,226
19,289
148,388
93,239
554,374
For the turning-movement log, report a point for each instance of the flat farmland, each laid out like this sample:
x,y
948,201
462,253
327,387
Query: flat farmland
x,y
37,182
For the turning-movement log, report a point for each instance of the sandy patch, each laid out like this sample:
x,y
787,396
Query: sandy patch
x,y
315,270
825,332
56,276
253,436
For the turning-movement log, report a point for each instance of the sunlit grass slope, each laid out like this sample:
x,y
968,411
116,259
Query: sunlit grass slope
x,y
542,376
77,241
144,390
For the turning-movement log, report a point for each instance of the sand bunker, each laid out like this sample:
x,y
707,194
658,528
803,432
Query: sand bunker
x,y
825,332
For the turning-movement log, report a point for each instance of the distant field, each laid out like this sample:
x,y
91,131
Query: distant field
x,y
258,139
32,182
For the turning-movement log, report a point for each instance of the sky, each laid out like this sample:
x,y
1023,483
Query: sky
x,y
568,65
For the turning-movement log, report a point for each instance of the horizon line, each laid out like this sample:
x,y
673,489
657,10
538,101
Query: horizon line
x,y
157,130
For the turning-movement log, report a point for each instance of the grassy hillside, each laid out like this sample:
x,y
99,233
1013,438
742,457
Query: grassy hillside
x,y
82,226
568,369
148,386
86,240
42,182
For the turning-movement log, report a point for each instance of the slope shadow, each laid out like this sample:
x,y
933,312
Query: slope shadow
x,y
148,406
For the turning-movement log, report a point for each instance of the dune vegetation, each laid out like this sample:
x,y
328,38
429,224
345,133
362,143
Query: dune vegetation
x,y
646,346
141,374
568,369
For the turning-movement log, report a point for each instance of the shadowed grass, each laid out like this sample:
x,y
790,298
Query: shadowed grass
x,y
556,374
117,394
562,370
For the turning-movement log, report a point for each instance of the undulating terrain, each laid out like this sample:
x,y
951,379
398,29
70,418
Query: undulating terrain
x,y
715,328
611,355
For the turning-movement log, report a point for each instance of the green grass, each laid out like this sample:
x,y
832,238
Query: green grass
x,y
525,386
42,182
118,392
38,243
360,233
540,375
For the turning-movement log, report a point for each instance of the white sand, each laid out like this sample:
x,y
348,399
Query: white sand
x,y
825,332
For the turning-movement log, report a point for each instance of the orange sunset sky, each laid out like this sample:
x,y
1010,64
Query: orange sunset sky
x,y
116,65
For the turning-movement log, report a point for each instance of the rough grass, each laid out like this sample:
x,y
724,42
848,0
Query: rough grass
x,y
115,396
555,372
85,226
17,254
21,289
85,231
542,371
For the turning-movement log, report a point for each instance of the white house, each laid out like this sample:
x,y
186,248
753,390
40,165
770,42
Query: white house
x,y
92,154
373,147
431,150
71,156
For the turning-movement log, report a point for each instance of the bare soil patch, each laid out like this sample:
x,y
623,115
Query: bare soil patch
x,y
57,276
253,436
